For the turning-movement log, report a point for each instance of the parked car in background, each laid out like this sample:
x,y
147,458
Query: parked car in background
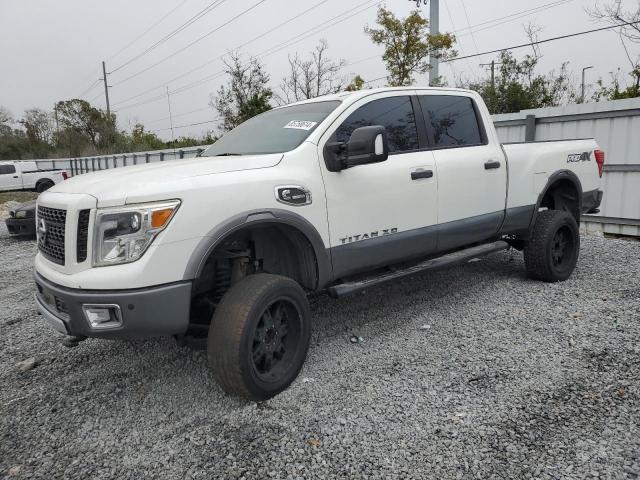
x,y
22,219
336,195
26,176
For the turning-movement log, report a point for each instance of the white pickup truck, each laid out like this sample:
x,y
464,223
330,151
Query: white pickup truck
x,y
332,195
25,175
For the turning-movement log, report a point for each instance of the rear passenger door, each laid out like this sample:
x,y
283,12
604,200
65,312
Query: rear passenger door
x,y
471,170
384,212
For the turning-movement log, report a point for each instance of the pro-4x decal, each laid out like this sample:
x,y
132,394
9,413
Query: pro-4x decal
x,y
579,157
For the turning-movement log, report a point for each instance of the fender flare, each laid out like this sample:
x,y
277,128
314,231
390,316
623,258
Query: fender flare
x,y
210,241
553,178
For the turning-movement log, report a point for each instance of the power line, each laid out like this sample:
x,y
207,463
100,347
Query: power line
x,y
287,43
528,44
191,43
466,14
187,125
213,5
91,87
307,34
179,115
546,40
509,18
135,40
218,74
182,75
155,24
446,5
97,96
88,78
376,79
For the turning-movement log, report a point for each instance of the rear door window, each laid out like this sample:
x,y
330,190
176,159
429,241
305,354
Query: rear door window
x,y
7,169
453,120
393,113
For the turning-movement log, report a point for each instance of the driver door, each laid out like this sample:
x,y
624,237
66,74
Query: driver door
x,y
381,213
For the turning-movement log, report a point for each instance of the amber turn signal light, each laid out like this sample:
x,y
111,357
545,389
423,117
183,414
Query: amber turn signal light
x,y
159,218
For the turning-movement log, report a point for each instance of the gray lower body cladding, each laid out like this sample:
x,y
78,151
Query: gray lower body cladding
x,y
146,312
364,255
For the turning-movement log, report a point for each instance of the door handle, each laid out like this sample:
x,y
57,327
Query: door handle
x,y
491,164
418,174
16,176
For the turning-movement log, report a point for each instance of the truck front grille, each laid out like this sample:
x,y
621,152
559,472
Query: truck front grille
x,y
83,235
51,229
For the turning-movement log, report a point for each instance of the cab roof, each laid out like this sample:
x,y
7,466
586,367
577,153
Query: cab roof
x,y
341,96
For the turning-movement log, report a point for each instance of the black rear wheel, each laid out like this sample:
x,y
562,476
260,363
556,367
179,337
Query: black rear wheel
x,y
44,185
259,336
552,252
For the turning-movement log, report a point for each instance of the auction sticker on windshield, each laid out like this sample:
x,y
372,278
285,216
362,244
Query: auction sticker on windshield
x,y
300,124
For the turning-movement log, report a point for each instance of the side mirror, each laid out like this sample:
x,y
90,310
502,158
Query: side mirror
x,y
366,145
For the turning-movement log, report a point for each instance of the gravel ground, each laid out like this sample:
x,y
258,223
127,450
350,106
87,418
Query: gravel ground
x,y
474,372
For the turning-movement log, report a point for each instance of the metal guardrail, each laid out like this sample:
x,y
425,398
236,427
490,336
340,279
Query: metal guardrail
x,y
80,165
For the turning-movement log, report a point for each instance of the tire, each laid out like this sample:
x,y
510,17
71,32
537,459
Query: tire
x,y
247,352
44,185
552,252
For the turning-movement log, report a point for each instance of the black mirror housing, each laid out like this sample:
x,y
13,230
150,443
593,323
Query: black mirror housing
x,y
366,145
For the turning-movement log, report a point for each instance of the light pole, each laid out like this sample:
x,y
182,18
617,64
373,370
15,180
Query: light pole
x,y
434,25
583,70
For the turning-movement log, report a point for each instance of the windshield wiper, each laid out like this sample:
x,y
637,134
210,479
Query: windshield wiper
x,y
228,154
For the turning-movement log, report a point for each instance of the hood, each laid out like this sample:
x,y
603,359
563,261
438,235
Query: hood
x,y
113,187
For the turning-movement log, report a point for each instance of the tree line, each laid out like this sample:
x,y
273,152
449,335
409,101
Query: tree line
x,y
77,128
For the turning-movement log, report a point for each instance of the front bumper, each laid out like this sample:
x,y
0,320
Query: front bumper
x,y
146,312
21,226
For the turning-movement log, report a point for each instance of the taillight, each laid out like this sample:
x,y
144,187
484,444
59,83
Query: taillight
x,y
64,175
599,154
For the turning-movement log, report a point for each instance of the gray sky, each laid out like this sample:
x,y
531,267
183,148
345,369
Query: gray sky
x,y
52,49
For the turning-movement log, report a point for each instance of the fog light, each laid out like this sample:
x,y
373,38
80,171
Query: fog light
x,y
103,316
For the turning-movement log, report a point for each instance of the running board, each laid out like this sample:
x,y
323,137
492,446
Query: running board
x,y
455,258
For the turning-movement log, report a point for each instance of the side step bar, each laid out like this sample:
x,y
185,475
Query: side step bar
x,y
451,259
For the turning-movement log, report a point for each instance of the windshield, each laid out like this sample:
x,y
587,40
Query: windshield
x,y
275,131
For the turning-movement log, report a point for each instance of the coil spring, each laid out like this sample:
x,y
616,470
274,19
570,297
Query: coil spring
x,y
222,279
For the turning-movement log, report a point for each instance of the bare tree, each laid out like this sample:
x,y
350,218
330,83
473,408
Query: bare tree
x,y
615,13
532,31
313,77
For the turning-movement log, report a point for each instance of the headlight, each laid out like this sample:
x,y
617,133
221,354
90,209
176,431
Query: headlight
x,y
21,214
122,235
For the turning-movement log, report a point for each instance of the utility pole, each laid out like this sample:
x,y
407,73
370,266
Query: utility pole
x,y
106,89
434,24
492,65
582,95
173,138
55,114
